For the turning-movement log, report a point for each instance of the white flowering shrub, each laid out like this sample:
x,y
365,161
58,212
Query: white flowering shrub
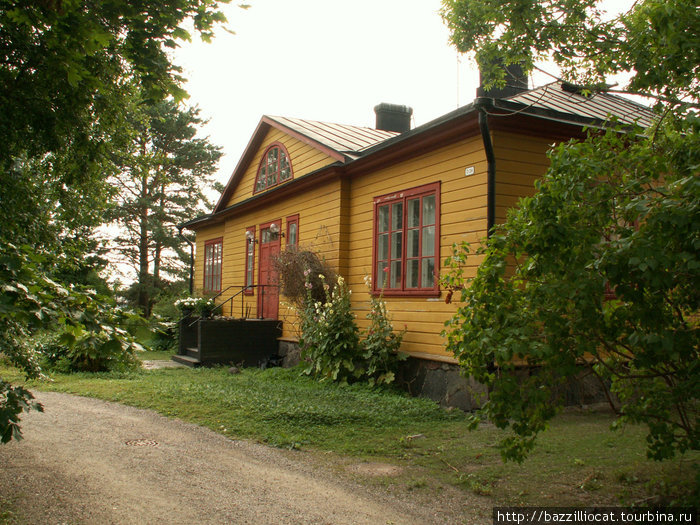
x,y
330,339
197,305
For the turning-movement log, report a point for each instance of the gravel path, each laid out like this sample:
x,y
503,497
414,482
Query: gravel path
x,y
90,461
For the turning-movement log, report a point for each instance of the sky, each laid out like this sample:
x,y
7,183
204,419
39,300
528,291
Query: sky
x,y
327,60
323,60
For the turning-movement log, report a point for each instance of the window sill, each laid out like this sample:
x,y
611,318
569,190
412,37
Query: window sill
x,y
407,293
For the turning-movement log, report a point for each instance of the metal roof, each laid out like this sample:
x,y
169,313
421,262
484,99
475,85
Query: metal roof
x,y
348,140
566,99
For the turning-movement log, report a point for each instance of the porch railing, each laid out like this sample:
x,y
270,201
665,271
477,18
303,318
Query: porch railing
x,y
242,294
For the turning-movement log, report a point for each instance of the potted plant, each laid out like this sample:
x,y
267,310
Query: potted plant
x,y
201,306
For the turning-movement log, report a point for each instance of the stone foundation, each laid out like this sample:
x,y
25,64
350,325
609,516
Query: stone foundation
x,y
445,383
290,353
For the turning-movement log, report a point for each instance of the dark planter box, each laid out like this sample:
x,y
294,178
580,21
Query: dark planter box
x,y
246,342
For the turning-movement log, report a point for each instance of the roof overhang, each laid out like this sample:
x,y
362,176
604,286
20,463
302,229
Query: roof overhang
x,y
265,124
507,115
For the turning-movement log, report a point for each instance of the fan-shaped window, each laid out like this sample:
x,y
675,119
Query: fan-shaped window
x,y
274,168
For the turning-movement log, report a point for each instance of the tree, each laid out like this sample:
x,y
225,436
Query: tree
x,y
162,184
67,72
618,212
655,41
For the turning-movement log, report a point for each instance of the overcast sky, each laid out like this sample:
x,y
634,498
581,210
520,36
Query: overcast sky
x,y
327,60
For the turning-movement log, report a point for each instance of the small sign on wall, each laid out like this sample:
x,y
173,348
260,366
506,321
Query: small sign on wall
x,y
469,171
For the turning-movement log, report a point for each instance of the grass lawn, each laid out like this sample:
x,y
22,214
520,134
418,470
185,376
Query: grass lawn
x,y
578,461
152,355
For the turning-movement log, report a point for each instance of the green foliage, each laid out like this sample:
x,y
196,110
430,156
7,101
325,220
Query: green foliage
x,y
201,306
162,182
655,41
330,339
613,212
69,73
380,345
64,67
14,401
84,324
93,337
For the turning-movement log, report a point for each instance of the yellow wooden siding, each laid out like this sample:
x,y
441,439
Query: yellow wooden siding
x,y
319,225
462,218
520,161
304,159
336,220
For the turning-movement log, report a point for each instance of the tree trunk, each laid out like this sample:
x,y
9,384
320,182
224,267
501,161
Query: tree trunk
x,y
144,301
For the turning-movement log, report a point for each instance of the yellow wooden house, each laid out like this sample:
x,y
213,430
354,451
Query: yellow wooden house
x,y
387,202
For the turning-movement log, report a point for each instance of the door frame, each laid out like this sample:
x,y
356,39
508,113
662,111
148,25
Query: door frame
x,y
276,246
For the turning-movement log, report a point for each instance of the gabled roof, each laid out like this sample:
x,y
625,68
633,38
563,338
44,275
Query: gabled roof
x,y
340,142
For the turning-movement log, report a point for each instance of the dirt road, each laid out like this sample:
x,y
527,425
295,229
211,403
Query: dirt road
x,y
89,461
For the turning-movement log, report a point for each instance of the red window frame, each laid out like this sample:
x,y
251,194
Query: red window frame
x,y
271,169
292,220
213,264
394,228
249,261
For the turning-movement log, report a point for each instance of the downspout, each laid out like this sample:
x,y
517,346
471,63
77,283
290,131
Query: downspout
x,y
179,232
480,104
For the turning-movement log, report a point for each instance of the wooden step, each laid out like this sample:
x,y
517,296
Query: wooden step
x,y
192,352
186,360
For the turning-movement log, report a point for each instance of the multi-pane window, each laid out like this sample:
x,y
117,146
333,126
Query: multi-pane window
x,y
292,231
407,241
249,258
274,168
213,254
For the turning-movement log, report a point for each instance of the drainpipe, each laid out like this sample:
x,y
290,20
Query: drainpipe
x,y
480,104
179,232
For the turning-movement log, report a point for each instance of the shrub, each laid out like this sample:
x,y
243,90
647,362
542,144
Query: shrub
x,y
94,339
201,306
381,344
330,339
298,268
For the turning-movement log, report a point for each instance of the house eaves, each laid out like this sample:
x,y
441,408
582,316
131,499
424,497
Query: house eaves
x,y
360,149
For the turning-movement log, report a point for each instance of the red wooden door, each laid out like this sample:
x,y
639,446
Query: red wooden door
x,y
268,292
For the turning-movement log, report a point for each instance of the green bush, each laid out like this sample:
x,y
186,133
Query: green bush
x,y
93,339
330,338
381,344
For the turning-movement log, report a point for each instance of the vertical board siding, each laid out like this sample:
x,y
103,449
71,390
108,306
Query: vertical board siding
x,y
304,159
